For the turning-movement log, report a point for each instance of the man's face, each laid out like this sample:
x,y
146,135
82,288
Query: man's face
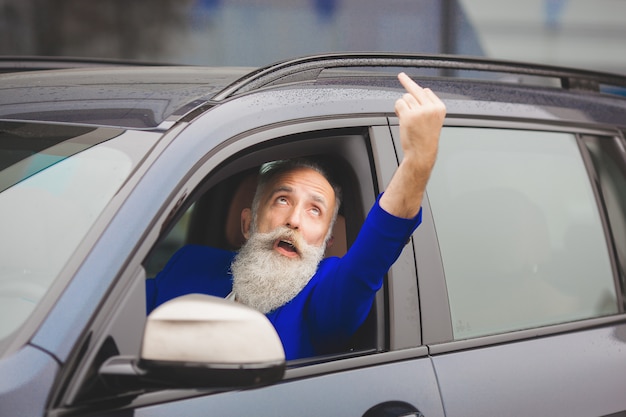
x,y
283,252
301,200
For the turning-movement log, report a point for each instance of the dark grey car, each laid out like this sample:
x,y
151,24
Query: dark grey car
x,y
508,300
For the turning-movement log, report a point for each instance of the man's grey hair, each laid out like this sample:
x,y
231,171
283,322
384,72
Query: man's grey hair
x,y
270,170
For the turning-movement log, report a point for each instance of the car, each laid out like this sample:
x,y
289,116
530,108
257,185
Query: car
x,y
508,300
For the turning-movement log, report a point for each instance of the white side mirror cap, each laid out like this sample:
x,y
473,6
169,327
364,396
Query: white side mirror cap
x,y
205,329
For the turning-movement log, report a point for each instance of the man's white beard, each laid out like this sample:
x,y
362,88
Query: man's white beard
x,y
264,279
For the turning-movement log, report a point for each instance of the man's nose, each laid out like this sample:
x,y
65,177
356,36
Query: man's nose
x,y
293,219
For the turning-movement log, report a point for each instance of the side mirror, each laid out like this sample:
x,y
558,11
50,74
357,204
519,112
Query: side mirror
x,y
201,341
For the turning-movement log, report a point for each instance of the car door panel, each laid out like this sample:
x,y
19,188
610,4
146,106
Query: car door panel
x,y
344,385
564,375
347,393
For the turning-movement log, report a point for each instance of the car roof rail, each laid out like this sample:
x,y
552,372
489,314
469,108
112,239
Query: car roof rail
x,y
309,68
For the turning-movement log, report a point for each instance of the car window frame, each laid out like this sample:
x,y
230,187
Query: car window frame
x,y
613,242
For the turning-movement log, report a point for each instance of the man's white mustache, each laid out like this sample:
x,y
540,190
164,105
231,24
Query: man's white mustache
x,y
285,234
265,279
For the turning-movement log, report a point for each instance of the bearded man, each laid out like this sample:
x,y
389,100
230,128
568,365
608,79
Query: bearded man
x,y
315,304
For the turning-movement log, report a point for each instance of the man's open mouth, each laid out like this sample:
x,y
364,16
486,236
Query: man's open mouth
x,y
287,248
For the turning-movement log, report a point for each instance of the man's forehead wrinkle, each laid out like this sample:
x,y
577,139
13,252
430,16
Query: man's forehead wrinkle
x,y
313,195
282,188
317,192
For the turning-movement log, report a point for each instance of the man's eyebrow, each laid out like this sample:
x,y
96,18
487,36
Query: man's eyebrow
x,y
318,198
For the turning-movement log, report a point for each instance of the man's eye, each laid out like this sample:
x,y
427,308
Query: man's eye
x,y
315,211
281,200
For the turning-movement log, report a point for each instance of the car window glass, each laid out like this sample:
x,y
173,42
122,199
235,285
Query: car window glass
x,y
521,239
46,214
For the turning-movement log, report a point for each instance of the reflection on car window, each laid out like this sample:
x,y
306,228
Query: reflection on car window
x,y
27,148
520,234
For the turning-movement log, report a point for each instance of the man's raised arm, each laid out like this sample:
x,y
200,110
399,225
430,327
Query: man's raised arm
x,y
421,115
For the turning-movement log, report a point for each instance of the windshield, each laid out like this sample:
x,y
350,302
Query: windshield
x,y
54,183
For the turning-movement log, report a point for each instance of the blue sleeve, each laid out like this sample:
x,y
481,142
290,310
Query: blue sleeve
x,y
347,287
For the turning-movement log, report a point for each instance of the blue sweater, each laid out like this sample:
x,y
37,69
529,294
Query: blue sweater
x,y
331,307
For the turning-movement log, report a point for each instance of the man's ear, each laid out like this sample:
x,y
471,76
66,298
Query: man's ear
x,y
330,241
246,221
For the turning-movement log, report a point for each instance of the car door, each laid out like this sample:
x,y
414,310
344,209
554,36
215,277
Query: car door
x,y
529,227
388,373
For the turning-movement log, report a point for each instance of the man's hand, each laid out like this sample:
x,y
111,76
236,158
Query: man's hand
x,y
421,115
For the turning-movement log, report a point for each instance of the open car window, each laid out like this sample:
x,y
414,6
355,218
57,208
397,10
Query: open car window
x,y
211,215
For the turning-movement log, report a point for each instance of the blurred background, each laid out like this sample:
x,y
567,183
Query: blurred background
x,y
580,33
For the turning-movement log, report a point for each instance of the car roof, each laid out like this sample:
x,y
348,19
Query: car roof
x,y
155,96
131,96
